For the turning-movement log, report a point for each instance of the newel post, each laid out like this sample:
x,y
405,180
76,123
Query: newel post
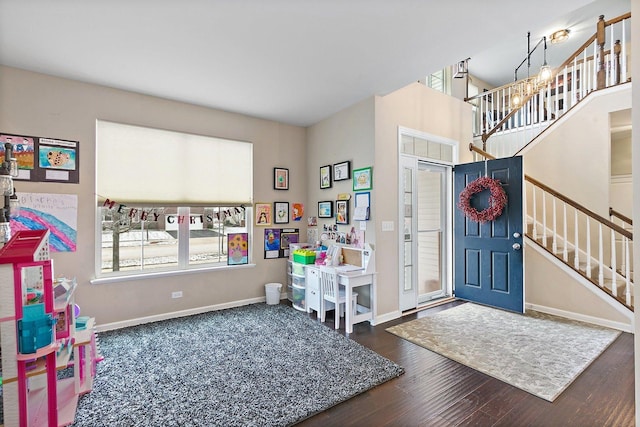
x,y
617,49
600,40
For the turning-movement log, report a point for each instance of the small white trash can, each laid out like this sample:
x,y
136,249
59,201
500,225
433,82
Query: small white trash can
x,y
273,293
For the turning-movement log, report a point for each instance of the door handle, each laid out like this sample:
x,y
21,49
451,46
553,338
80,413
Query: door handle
x,y
516,234
516,246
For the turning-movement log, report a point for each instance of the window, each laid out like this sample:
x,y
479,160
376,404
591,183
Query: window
x,y
440,81
166,201
433,148
144,239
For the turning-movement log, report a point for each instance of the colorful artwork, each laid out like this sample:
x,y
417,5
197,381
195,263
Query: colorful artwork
x,y
23,150
297,211
57,157
263,214
362,179
271,239
44,159
271,243
238,248
56,212
287,237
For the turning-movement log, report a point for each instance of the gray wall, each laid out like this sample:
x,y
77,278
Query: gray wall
x,y
40,105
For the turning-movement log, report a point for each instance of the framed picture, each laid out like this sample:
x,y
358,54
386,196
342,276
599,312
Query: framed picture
x,y
342,212
362,179
342,171
280,178
325,177
263,214
325,209
280,212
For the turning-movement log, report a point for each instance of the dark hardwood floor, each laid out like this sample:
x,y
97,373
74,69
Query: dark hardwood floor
x,y
436,391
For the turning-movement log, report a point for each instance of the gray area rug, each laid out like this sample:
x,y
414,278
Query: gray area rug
x,y
257,365
538,353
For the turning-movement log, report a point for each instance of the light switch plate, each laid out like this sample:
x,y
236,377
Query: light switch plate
x,y
387,226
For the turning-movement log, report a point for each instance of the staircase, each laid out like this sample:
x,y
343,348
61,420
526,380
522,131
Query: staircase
x,y
593,246
503,129
596,248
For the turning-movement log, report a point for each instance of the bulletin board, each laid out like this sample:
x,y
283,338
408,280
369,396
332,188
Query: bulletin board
x,y
43,159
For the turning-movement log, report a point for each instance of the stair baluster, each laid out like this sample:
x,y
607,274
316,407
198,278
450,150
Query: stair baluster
x,y
614,278
588,249
600,257
544,219
565,250
576,252
627,273
555,229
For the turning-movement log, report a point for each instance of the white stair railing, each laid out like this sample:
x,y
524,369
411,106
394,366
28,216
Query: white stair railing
x,y
502,129
609,239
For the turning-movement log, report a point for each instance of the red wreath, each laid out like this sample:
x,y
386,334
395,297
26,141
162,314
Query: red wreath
x,y
497,200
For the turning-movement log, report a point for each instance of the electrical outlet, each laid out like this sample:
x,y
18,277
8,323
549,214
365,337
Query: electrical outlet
x,y
177,294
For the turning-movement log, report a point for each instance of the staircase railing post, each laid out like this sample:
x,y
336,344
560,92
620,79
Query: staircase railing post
x,y
600,40
617,49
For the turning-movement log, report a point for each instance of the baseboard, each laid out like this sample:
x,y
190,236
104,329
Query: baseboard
x,y
181,313
387,317
582,318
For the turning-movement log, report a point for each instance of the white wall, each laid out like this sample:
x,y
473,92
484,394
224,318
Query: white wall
x,y
586,158
40,105
552,289
419,108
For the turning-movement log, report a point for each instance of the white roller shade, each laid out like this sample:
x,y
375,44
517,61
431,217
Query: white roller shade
x,y
144,165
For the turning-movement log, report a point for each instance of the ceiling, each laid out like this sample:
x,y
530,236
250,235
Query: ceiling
x,y
293,61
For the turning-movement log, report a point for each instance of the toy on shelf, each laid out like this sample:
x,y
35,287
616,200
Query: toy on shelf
x,y
34,329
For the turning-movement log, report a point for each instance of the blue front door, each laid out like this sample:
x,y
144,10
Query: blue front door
x,y
488,256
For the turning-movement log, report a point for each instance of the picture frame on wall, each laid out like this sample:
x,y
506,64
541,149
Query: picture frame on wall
x,y
280,178
342,171
342,212
281,212
325,177
362,179
263,214
325,209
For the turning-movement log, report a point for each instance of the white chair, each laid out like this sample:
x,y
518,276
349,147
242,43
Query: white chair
x,y
331,292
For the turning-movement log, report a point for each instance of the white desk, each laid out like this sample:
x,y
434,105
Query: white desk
x,y
352,280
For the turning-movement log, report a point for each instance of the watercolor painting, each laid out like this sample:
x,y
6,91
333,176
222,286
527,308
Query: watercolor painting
x,y
57,158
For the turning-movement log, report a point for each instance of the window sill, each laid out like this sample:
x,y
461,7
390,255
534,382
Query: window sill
x,y
157,274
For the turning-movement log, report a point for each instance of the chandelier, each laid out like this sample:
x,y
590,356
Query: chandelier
x,y
521,90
